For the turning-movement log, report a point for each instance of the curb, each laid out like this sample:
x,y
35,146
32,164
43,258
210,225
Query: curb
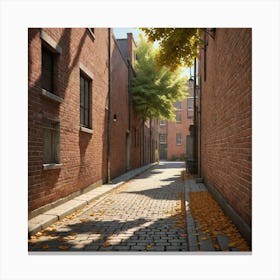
x,y
55,214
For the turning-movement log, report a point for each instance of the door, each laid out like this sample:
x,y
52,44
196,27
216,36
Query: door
x,y
189,148
162,151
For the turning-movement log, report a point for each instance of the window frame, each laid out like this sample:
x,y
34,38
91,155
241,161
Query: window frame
x,y
181,140
51,156
46,52
165,140
190,111
178,121
162,122
86,108
176,103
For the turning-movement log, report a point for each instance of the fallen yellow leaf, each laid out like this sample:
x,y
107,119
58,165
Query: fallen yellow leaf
x,y
204,238
63,247
106,244
149,246
46,247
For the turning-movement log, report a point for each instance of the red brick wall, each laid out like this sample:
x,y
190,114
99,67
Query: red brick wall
x,y
226,113
136,140
119,107
83,155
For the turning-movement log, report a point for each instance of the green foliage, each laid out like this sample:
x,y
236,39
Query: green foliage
x,y
178,46
155,89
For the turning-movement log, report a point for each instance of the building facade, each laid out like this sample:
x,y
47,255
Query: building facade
x,y
82,129
224,115
174,137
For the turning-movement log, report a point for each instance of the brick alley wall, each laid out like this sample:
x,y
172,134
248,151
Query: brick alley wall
x,y
82,154
120,108
226,116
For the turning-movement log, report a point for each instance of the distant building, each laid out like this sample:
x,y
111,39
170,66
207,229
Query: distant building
x,y
174,137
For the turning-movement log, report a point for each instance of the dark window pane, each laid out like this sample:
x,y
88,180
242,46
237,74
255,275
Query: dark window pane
x,y
84,101
47,70
82,92
86,95
86,122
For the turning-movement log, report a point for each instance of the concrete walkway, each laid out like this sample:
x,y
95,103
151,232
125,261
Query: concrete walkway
x,y
49,217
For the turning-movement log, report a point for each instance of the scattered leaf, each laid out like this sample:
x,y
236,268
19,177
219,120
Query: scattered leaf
x,y
106,244
63,247
204,238
149,246
45,247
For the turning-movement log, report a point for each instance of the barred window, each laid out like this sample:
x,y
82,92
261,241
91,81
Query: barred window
x,y
51,141
85,101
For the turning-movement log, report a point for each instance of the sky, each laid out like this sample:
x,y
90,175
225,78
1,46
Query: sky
x,y
121,33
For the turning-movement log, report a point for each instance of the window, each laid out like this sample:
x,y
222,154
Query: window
x,y
47,70
190,107
85,101
162,139
178,139
178,106
179,118
162,123
51,142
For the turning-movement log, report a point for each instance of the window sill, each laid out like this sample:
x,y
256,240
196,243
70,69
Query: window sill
x,y
51,96
86,130
50,166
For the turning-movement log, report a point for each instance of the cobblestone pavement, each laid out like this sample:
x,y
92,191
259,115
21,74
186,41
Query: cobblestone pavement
x,y
142,215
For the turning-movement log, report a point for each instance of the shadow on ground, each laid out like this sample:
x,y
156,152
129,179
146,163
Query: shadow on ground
x,y
138,235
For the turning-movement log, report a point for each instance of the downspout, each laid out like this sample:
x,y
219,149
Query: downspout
x,y
109,110
150,141
194,115
143,142
200,93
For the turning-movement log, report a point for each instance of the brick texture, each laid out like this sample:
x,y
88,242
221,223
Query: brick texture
x,y
82,154
226,116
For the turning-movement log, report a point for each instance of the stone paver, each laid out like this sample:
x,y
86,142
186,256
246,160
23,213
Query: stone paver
x,y
142,215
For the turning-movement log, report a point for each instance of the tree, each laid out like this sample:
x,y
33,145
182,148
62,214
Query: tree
x,y
177,46
155,89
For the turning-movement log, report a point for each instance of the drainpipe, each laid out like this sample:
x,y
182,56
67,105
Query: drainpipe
x,y
150,141
194,114
109,110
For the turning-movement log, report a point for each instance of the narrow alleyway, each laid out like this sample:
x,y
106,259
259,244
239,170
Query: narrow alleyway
x,y
145,214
